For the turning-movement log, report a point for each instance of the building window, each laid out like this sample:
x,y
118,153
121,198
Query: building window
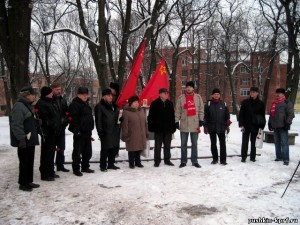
x,y
2,107
244,91
244,69
184,62
185,73
245,81
195,71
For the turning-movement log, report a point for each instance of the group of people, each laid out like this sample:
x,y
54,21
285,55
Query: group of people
x,y
51,115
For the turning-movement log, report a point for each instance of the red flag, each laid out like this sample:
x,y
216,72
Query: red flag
x,y
130,86
159,79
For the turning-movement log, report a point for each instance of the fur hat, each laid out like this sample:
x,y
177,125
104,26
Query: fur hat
x,y
216,90
46,91
114,86
190,83
163,90
83,90
280,90
106,92
254,89
133,99
25,91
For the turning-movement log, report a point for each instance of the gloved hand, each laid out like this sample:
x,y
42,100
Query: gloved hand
x,y
177,125
205,130
22,143
287,126
270,127
201,123
228,130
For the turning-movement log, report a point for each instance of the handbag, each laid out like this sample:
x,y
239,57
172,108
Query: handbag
x,y
259,120
259,139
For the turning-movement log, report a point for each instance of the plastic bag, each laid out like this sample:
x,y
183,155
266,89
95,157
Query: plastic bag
x,y
259,139
146,151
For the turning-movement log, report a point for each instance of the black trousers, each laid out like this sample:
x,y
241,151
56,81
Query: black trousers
x,y
82,148
134,158
47,156
245,142
107,156
214,149
60,155
26,159
166,139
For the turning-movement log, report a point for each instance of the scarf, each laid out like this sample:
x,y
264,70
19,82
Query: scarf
x,y
215,100
190,105
273,107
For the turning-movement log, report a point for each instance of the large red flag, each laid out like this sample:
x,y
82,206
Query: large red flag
x,y
158,80
130,86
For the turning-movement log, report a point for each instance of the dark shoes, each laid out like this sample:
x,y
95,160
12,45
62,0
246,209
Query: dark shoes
x,y
286,163
63,169
77,173
25,187
214,162
55,176
139,165
156,164
197,165
223,163
277,160
48,178
243,160
33,185
182,165
253,160
113,167
88,170
131,166
103,169
169,163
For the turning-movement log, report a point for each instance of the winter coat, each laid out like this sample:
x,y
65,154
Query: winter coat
x,y
249,109
49,115
161,117
189,123
61,104
81,117
106,119
22,122
216,115
284,114
134,129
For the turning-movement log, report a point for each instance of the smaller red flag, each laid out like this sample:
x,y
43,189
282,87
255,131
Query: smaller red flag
x,y
158,80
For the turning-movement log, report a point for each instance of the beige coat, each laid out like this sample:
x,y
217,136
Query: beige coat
x,y
134,129
189,123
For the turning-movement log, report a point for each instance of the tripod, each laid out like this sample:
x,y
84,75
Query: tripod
x,y
290,179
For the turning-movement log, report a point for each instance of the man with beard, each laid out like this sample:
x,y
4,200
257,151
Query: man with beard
x,y
62,109
106,116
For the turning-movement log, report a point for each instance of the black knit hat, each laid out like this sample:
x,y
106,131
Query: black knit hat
x,y
106,92
280,90
46,91
216,90
254,89
190,83
83,90
163,90
25,91
133,99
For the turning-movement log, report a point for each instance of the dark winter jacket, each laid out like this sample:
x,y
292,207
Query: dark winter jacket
x,y
22,122
284,114
81,117
134,129
49,115
216,115
61,104
161,118
106,118
250,109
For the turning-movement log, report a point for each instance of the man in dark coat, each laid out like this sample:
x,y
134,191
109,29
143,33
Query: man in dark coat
x,y
50,129
280,120
161,121
81,125
251,118
106,116
24,136
216,123
62,109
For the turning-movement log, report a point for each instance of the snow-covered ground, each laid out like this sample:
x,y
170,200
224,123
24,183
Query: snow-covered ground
x,y
213,194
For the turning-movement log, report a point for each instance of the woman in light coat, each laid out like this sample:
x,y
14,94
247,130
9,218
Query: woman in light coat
x,y
134,131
